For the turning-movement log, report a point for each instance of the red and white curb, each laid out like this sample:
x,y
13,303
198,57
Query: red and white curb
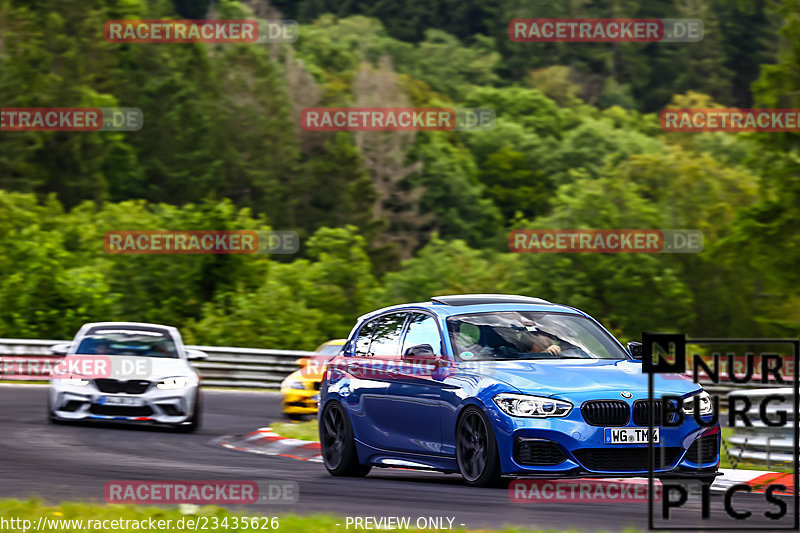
x,y
759,480
265,442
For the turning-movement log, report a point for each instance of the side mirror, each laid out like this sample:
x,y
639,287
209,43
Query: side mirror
x,y
60,349
419,351
194,355
635,349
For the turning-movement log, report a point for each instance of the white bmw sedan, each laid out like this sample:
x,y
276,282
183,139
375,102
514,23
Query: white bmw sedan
x,y
126,371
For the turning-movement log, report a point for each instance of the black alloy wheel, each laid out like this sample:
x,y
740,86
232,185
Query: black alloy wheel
x,y
476,449
338,446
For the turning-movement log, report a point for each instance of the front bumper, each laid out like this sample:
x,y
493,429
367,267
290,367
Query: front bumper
x,y
75,403
531,447
300,401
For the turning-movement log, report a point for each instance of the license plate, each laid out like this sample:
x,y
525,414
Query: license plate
x,y
120,400
629,435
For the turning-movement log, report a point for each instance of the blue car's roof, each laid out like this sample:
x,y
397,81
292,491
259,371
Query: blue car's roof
x,y
479,303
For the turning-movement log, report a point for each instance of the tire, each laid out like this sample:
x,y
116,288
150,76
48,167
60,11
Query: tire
x,y
193,424
476,449
337,443
295,417
51,416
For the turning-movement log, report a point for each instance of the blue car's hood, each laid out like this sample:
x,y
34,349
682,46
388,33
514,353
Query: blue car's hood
x,y
563,376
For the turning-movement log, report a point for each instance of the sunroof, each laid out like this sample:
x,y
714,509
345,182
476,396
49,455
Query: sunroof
x,y
476,299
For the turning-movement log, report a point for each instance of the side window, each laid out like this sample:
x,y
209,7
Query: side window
x,y
364,338
386,337
422,329
463,337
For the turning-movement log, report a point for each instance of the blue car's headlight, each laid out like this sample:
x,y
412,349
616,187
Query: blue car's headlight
x,y
532,406
704,401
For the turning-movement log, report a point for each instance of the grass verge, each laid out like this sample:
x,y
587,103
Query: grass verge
x,y
297,430
725,460
80,517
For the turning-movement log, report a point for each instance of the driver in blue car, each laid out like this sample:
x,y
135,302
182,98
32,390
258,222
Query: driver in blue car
x,y
544,343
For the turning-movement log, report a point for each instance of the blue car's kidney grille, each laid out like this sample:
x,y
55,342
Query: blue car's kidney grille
x,y
625,459
606,413
537,452
641,412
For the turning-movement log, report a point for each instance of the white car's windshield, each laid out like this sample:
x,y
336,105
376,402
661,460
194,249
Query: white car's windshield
x,y
330,349
529,335
128,342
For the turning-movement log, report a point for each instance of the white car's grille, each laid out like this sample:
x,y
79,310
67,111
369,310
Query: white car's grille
x,y
113,386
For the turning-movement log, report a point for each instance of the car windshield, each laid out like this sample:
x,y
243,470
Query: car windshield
x,y
529,335
330,349
128,342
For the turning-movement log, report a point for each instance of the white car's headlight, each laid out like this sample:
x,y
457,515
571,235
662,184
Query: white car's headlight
x,y
172,383
529,406
704,401
75,382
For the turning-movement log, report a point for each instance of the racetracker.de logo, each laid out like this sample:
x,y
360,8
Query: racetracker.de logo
x,y
181,31
201,242
581,490
74,367
18,119
731,120
201,31
605,241
201,492
617,30
396,119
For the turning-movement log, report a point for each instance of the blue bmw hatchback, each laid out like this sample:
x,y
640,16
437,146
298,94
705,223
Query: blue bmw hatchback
x,y
499,385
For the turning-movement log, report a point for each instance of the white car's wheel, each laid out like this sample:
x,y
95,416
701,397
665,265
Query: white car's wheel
x,y
51,416
193,424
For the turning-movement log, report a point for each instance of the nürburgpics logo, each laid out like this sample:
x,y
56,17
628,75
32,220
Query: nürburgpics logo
x,y
617,30
755,368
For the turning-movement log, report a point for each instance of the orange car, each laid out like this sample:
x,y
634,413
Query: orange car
x,y
300,389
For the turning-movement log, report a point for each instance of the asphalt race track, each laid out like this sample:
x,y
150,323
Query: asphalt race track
x,y
72,463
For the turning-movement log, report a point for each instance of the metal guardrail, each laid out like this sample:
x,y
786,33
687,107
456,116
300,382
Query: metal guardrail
x,y
225,367
258,368
761,443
